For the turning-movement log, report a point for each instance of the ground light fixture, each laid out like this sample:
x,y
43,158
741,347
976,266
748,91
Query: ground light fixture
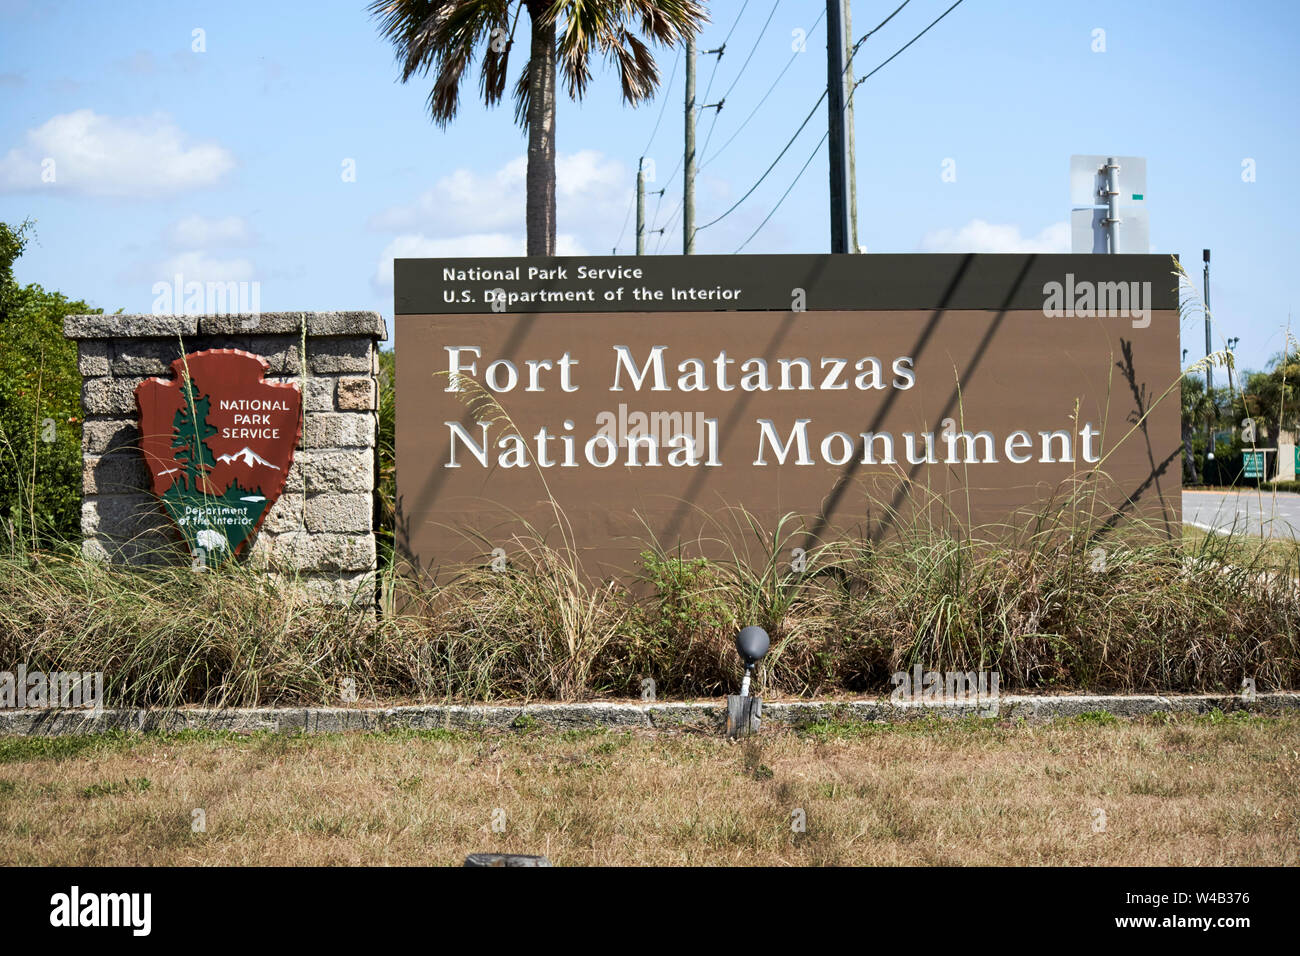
x,y
743,711
752,642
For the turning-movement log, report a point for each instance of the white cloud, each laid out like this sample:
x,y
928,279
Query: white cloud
x,y
474,214
590,190
587,176
200,267
980,236
117,157
194,232
476,245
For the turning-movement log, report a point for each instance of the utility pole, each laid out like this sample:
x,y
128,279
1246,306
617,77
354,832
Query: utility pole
x,y
1209,373
838,141
1112,219
853,146
640,207
688,196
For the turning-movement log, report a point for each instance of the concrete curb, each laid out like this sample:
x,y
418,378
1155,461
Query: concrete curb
x,y
701,715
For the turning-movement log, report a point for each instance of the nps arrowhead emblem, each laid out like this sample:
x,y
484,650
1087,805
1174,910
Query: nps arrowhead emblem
x,y
218,440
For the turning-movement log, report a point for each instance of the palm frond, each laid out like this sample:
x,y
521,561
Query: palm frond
x,y
603,26
441,36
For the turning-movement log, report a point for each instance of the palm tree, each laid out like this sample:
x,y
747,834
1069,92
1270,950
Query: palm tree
x,y
1274,396
1198,408
442,36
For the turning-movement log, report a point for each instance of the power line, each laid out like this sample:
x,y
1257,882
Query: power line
x,y
816,149
735,23
717,55
721,50
658,204
723,99
810,115
866,36
671,76
709,135
622,232
812,112
654,132
668,182
694,107
789,63
856,46
677,168
752,50
667,225
908,43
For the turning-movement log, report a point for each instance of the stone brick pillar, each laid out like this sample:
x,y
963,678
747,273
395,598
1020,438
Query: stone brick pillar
x,y
321,531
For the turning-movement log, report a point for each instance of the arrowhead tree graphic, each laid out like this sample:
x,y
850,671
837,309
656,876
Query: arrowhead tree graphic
x,y
190,432
218,440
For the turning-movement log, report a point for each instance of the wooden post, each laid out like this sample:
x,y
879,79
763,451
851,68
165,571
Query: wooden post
x,y
744,714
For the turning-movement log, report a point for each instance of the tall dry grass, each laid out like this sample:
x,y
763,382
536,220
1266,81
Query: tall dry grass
x,y
164,636
1050,609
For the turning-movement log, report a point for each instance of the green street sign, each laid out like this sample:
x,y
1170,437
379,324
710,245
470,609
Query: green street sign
x,y
1254,462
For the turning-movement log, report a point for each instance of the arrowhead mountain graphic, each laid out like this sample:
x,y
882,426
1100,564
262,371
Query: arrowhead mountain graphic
x,y
248,457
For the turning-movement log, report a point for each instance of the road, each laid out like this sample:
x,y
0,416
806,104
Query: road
x,y
1244,511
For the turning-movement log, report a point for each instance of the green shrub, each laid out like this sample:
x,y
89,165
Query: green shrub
x,y
679,631
40,409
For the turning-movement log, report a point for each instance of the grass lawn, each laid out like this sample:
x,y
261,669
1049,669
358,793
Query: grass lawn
x,y
1093,790
1281,554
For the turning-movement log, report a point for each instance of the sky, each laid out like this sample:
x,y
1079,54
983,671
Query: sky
x,y
272,143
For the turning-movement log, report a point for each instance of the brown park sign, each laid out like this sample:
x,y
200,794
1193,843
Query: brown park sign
x,y
218,441
664,398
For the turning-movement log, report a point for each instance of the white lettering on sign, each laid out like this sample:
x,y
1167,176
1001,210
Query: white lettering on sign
x,y
252,405
254,433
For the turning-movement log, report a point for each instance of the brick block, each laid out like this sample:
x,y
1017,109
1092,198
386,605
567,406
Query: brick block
x,y
325,356
122,473
339,430
285,515
337,471
353,512
356,394
306,552
109,396
102,436
93,357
